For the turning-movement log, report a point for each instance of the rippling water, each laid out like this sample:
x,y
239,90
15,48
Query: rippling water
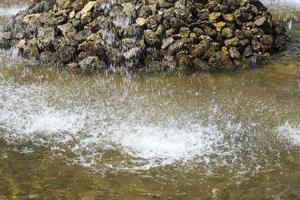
x,y
203,136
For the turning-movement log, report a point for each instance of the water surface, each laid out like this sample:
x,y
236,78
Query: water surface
x,y
203,136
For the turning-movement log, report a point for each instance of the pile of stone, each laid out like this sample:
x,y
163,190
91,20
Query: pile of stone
x,y
154,35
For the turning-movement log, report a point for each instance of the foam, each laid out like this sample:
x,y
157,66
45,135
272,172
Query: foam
x,y
289,132
12,10
25,114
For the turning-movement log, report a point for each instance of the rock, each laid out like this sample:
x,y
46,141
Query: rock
x,y
260,21
183,60
169,32
215,16
215,61
239,34
46,37
66,54
219,26
231,42
204,14
21,44
151,38
228,17
48,57
213,6
227,33
184,32
248,52
159,35
267,39
198,31
140,21
169,62
73,66
30,50
133,53
234,53
91,62
201,65
160,30
175,47
5,40
256,45
198,51
32,17
167,42
258,5
64,4
88,7
72,14
210,31
67,30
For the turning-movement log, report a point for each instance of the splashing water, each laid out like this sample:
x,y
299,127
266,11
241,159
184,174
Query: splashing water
x,y
11,10
290,133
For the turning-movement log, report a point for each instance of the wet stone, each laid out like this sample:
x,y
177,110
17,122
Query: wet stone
x,y
132,35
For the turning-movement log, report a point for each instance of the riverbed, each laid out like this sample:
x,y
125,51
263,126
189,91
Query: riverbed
x,y
233,135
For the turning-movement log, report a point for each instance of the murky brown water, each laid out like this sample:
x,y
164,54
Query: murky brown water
x,y
217,136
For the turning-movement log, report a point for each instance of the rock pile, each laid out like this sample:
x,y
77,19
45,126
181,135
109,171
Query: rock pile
x,y
152,35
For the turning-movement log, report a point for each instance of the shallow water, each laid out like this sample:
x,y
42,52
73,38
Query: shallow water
x,y
205,136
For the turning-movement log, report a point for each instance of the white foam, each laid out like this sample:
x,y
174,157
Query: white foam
x,y
25,114
291,133
11,10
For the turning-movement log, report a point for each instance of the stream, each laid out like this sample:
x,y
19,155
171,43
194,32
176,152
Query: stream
x,y
234,135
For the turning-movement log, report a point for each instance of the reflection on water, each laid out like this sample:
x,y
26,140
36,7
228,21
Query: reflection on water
x,y
202,136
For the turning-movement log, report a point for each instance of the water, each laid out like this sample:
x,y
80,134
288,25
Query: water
x,y
204,136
